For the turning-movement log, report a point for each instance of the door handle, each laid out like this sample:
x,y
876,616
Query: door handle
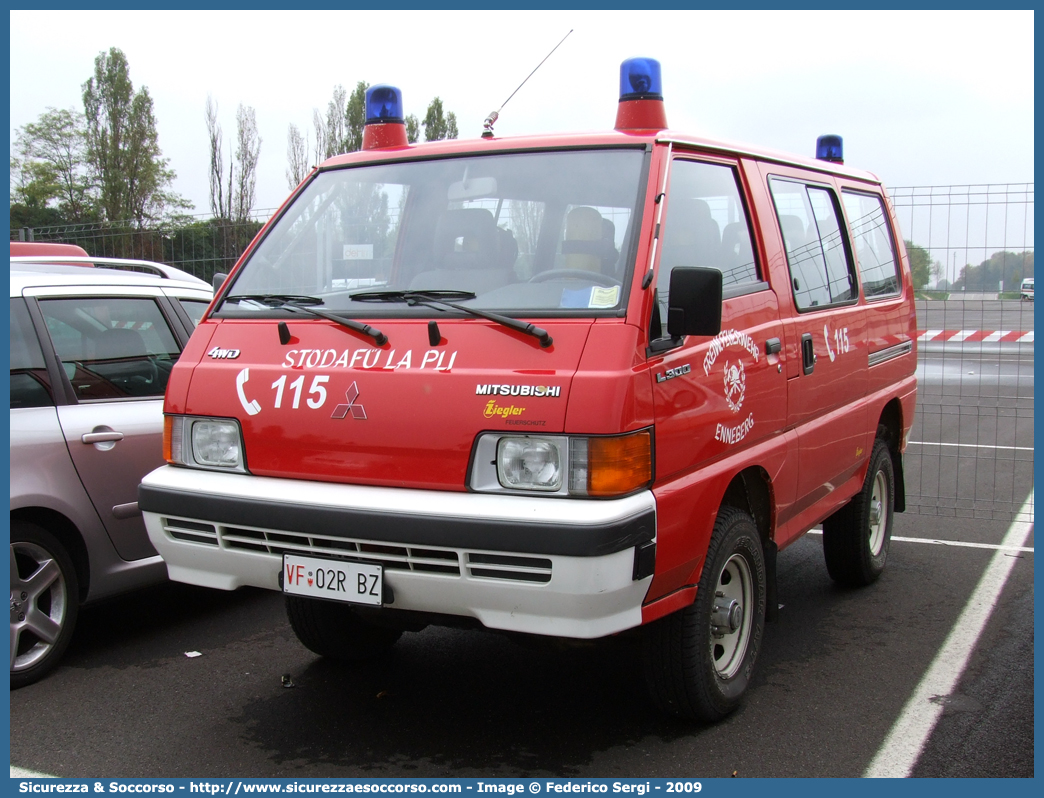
x,y
101,437
808,353
772,346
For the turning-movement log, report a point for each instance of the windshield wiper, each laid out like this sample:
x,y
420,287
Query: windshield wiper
x,y
302,303
409,297
276,300
433,298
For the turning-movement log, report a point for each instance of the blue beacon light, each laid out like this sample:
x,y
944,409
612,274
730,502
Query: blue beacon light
x,y
383,105
385,124
830,148
640,79
641,96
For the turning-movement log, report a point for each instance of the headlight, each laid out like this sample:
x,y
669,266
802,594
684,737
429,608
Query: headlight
x,y
215,443
530,463
566,465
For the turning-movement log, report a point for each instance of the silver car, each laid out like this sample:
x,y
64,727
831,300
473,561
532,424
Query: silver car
x,y
92,347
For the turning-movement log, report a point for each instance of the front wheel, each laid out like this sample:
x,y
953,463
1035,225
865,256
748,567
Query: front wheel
x,y
700,660
44,602
334,630
856,537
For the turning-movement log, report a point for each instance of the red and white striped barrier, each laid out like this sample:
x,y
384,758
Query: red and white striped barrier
x,y
977,336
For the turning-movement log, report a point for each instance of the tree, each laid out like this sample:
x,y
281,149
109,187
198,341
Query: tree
x,y
355,118
330,129
33,183
920,264
296,156
52,164
412,129
220,202
122,144
937,271
248,150
340,130
438,126
335,122
235,199
1003,266
33,186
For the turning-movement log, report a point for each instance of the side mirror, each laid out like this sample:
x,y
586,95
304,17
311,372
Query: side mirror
x,y
218,279
694,302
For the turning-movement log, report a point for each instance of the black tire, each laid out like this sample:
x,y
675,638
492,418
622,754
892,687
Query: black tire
x,y
700,660
334,630
45,601
856,537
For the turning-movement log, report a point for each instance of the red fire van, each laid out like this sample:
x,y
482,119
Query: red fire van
x,y
565,386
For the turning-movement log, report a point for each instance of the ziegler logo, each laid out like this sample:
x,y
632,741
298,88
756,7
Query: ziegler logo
x,y
223,354
493,410
357,411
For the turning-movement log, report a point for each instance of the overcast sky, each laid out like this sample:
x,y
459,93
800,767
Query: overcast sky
x,y
921,98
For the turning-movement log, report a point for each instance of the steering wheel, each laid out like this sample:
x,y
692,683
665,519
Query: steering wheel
x,y
574,274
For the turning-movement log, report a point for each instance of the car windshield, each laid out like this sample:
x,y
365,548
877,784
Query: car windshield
x,y
523,232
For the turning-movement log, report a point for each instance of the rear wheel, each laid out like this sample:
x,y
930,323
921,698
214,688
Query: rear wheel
x,y
856,537
700,660
335,631
44,602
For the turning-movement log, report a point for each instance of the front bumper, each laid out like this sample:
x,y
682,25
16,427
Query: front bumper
x,y
559,567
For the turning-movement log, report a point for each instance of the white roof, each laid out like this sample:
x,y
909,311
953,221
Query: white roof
x,y
123,264
30,272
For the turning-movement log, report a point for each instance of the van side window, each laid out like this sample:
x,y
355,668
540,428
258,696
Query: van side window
x,y
874,247
706,224
820,269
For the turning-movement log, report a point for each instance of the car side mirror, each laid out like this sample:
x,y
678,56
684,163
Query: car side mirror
x,y
694,301
218,279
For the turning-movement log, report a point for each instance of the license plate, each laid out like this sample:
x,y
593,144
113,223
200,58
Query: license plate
x,y
355,582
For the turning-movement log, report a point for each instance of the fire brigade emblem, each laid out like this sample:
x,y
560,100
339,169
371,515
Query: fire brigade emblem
x,y
735,385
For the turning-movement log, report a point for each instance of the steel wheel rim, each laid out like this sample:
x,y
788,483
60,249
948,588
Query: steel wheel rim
x,y
39,604
878,513
728,648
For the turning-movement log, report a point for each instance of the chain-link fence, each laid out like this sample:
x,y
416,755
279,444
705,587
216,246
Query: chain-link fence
x,y
979,237
971,449
197,245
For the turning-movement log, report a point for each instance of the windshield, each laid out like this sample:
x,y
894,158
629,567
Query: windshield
x,y
523,232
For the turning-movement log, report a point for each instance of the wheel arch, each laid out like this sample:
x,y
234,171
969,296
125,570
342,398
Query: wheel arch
x,y
890,430
751,491
67,534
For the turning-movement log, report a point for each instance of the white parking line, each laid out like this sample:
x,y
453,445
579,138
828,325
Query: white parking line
x,y
973,446
959,543
905,742
21,773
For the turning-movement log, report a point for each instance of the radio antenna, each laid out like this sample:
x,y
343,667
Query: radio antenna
x,y
487,126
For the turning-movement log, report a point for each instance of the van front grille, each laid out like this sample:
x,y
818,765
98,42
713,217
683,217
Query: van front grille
x,y
392,556
509,566
191,531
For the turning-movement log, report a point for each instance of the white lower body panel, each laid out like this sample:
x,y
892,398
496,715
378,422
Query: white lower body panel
x,y
533,592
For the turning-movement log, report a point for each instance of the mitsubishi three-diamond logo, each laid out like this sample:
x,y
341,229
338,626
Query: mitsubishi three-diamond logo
x,y
357,411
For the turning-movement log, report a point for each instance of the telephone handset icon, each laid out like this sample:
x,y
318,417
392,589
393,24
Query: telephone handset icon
x,y
251,406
